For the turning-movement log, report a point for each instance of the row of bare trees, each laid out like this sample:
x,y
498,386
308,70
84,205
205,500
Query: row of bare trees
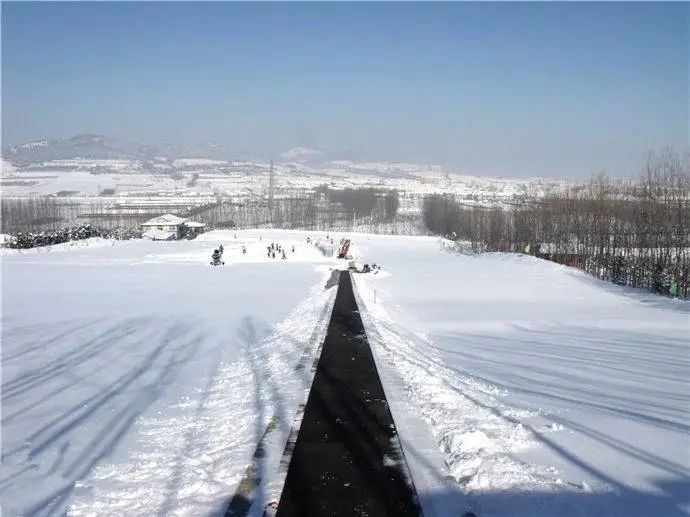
x,y
367,209
634,232
320,209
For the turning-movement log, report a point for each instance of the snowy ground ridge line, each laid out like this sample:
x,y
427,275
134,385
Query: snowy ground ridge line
x,y
398,442
361,307
320,332
404,435
243,499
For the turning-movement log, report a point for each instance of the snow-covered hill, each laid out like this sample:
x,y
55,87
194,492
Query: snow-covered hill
x,y
300,154
549,392
138,380
86,164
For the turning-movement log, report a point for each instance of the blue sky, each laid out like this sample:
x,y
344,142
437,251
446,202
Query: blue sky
x,y
508,89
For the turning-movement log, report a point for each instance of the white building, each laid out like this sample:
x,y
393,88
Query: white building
x,y
170,227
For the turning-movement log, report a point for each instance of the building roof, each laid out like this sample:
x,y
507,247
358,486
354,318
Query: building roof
x,y
159,235
194,224
165,220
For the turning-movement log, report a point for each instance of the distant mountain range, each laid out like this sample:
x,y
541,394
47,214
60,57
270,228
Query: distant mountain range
x,y
99,147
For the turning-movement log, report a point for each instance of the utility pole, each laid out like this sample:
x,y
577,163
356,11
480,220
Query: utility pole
x,y
270,187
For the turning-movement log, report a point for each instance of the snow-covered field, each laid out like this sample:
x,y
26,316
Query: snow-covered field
x,y
549,392
89,177
136,377
138,380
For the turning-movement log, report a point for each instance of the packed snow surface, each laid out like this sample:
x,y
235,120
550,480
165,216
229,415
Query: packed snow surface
x,y
549,392
139,380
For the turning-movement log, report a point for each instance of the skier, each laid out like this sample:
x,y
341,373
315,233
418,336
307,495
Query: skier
x,y
293,248
244,249
284,257
220,248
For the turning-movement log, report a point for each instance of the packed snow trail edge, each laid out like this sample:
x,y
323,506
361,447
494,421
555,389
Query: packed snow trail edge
x,y
347,459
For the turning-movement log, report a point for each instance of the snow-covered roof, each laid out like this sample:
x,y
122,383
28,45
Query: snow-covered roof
x,y
164,220
159,235
194,224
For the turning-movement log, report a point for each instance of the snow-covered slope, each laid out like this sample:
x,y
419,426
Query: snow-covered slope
x,y
138,380
136,377
549,392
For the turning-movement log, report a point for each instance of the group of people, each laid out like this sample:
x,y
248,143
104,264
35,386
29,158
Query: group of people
x,y
277,248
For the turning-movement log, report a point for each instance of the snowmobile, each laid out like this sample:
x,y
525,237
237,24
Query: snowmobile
x,y
217,258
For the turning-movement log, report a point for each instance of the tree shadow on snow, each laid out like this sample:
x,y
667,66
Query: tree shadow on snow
x,y
111,407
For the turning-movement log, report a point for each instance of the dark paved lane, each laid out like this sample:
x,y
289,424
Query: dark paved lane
x,y
347,460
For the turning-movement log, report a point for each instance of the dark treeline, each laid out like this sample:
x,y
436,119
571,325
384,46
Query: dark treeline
x,y
372,210
363,202
26,240
634,233
320,209
48,213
